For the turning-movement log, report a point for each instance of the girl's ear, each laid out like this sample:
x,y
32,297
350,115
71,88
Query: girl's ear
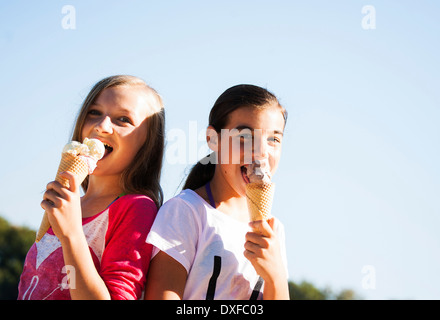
x,y
212,138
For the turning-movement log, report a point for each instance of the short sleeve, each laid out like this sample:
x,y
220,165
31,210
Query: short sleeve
x,y
176,231
126,256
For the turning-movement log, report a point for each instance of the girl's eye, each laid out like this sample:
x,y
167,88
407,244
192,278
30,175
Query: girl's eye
x,y
245,134
94,112
274,139
125,120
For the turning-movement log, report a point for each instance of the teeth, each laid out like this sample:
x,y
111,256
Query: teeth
x,y
108,147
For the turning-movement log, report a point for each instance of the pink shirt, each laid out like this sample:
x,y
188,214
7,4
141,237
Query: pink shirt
x,y
116,238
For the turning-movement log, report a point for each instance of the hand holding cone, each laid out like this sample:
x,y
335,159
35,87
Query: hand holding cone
x,y
79,159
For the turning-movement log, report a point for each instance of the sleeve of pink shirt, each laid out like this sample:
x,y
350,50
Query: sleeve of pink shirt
x,y
126,255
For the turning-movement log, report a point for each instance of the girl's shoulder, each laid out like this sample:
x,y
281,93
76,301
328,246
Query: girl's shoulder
x,y
135,199
186,198
186,206
133,204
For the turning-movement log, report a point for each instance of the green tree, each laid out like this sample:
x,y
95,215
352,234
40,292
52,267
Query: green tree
x,y
347,294
14,245
307,291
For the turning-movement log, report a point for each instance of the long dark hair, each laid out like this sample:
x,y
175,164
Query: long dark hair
x,y
239,96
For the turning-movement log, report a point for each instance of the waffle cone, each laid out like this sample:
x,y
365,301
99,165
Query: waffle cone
x,y
73,164
259,199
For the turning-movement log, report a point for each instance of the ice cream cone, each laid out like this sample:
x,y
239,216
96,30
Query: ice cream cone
x,y
74,164
259,199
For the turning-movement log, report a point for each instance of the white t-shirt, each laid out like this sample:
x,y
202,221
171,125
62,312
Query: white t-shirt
x,y
209,245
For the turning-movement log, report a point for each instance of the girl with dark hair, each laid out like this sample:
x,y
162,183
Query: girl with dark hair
x,y
199,236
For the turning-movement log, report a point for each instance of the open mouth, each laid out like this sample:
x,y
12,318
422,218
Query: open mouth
x,y
108,149
244,174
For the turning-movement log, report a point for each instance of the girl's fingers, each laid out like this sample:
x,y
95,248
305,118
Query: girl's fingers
x,y
253,247
74,182
261,238
60,189
263,227
57,187
55,191
54,185
52,197
46,205
50,201
258,239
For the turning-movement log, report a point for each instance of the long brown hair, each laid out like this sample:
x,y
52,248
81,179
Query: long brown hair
x,y
239,96
142,176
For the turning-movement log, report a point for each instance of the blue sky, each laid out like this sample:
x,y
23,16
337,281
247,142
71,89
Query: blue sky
x,y
358,181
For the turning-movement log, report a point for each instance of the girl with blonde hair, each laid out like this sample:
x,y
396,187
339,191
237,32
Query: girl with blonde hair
x,y
96,246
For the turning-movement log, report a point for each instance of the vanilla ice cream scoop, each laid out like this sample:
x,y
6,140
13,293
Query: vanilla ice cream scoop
x,y
89,148
259,172
96,148
74,147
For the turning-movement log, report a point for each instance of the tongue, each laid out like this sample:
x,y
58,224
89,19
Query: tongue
x,y
107,150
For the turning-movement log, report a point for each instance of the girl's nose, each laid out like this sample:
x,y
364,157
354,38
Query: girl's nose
x,y
104,125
